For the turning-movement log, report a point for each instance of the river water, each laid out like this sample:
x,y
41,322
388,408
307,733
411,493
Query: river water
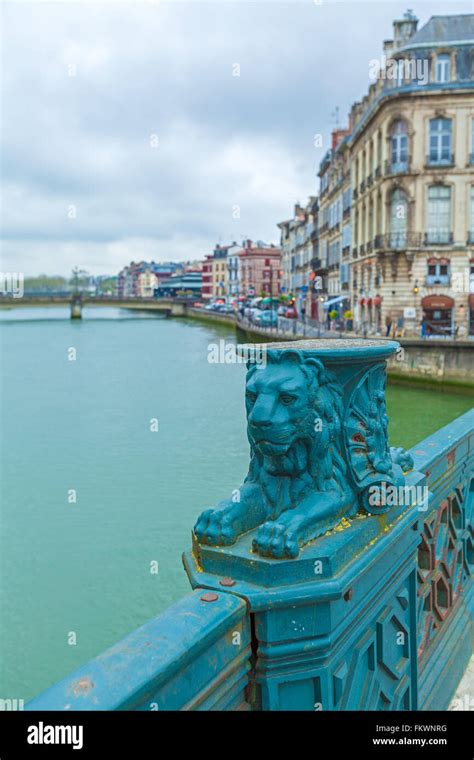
x,y
106,461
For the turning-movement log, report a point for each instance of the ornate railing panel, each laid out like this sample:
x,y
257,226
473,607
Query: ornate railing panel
x,y
445,560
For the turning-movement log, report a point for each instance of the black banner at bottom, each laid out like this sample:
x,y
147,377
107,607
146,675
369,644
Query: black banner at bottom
x,y
103,734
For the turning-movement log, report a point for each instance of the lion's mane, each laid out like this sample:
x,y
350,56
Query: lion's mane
x,y
324,466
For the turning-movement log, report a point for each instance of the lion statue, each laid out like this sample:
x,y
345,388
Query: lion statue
x,y
297,486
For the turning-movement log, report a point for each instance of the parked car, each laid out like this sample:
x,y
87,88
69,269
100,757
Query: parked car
x,y
224,308
291,313
266,319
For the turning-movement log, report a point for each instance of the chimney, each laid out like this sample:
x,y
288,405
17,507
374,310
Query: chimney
x,y
404,29
388,48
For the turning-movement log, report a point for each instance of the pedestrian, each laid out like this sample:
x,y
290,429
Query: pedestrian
x,y
423,326
388,325
400,326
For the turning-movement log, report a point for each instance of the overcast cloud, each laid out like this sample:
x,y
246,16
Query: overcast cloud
x,y
87,85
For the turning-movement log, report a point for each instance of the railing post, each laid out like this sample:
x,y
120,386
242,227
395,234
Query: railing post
x,y
327,567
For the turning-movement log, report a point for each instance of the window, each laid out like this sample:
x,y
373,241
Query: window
x,y
346,235
399,72
443,68
398,219
471,157
439,215
346,199
438,272
334,253
440,141
399,146
471,216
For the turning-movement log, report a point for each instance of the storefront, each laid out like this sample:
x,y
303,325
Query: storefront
x,y
438,315
471,314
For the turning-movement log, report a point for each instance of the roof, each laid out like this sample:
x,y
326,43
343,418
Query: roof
x,y
444,29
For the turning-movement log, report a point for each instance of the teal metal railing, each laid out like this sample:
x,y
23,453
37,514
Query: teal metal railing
x,y
373,613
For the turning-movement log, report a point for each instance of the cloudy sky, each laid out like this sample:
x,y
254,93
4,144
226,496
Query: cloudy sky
x,y
128,135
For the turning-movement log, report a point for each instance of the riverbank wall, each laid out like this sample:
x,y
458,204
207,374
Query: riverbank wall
x,y
447,363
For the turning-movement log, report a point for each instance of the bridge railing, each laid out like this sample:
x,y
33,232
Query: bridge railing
x,y
392,630
195,656
445,563
368,608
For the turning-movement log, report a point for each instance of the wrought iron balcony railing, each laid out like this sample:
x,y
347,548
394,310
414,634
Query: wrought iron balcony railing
x,y
398,240
397,167
438,237
434,161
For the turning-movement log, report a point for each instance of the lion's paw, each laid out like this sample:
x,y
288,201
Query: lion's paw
x,y
214,527
276,540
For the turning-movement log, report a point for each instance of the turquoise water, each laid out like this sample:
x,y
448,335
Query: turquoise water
x,y
84,567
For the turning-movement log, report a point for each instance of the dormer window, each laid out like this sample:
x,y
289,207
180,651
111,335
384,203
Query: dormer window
x,y
400,72
443,68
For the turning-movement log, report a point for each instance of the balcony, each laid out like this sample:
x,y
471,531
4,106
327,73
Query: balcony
x,y
439,162
355,194
378,172
370,180
369,247
397,167
398,241
362,186
346,250
438,237
346,212
362,249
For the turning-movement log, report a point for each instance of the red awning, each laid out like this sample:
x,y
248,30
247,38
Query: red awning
x,y
377,301
437,302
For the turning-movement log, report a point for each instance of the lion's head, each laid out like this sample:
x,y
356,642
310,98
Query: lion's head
x,y
294,412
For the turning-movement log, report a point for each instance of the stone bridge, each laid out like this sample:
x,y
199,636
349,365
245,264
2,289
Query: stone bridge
x,y
175,307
